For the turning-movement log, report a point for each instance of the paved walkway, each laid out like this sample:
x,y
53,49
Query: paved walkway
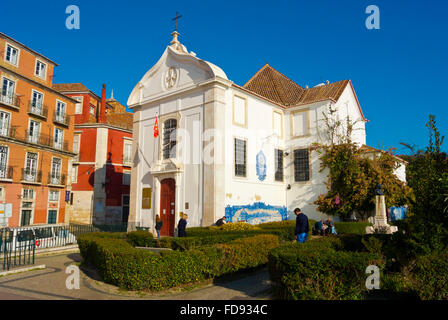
x,y
50,284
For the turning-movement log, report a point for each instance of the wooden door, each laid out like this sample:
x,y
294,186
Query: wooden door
x,y
167,206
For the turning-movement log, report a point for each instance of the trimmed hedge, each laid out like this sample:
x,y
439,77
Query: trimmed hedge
x,y
351,227
140,239
319,270
120,264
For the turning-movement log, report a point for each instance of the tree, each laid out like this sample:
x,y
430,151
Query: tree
x,y
353,176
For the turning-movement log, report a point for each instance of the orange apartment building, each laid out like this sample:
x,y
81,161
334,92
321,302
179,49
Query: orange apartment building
x,y
36,139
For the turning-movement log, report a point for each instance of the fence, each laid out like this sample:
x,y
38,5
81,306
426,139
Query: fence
x,y
19,245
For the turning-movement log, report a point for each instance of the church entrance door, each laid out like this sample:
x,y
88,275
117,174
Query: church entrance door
x,y
167,206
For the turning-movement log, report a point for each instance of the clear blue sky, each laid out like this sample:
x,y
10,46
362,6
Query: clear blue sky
x,y
400,72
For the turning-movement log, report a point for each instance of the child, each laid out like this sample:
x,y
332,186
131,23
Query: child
x,y
159,224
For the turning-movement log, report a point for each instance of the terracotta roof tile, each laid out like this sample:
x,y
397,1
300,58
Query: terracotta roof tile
x,y
123,120
70,87
275,86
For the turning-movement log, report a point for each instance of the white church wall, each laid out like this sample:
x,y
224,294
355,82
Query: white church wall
x,y
255,198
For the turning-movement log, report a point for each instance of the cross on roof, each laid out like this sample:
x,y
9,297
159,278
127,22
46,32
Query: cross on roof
x,y
176,18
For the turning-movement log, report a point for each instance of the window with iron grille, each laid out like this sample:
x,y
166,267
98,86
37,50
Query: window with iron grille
x,y
301,165
240,158
278,165
169,138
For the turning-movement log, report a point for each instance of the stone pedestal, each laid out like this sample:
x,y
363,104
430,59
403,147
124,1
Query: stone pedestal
x,y
380,225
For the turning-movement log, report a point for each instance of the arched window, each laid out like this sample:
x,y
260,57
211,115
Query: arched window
x,y
169,138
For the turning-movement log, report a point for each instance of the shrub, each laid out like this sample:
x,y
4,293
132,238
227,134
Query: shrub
x,y
318,270
238,226
140,239
122,265
351,227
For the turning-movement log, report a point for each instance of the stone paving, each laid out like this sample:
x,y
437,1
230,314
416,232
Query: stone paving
x,y
50,284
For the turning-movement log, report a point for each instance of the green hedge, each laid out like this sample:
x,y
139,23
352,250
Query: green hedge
x,y
351,227
319,269
141,239
120,264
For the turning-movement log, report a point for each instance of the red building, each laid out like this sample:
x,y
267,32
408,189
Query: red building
x,y
102,170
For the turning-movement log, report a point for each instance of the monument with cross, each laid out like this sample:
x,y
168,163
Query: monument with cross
x,y
175,33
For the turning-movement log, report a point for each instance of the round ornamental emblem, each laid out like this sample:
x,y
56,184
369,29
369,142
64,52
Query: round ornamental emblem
x,y
170,77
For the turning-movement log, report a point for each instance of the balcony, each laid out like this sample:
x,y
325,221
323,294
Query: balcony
x,y
60,145
31,176
6,173
61,119
127,161
10,100
37,109
8,132
56,179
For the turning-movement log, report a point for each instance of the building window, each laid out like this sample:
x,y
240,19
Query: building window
x,y
76,140
78,106
301,165
41,69
28,194
126,178
26,218
31,167
34,132
12,54
52,216
92,110
169,138
127,153
300,123
240,111
278,165
60,111
7,95
37,102
74,174
3,162
58,138
240,158
55,175
4,123
54,195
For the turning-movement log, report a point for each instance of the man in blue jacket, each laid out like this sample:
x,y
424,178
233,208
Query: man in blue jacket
x,y
302,227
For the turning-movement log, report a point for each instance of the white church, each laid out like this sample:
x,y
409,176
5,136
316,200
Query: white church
x,y
245,152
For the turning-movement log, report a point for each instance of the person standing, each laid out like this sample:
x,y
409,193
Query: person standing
x,y
182,226
159,224
302,227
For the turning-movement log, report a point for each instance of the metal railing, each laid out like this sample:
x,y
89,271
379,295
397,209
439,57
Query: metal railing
x,y
10,99
56,179
61,119
38,109
127,161
6,172
31,175
19,245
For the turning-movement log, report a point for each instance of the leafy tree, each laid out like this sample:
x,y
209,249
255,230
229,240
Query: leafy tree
x,y
427,174
353,175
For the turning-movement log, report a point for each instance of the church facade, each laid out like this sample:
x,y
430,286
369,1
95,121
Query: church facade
x,y
245,152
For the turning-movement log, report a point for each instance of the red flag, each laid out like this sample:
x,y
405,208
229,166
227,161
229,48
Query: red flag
x,y
156,129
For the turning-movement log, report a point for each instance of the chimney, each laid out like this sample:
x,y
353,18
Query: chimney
x,y
102,113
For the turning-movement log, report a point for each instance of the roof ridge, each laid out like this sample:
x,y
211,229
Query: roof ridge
x,y
256,74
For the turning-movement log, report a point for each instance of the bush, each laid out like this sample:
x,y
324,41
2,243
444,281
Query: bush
x,y
122,265
141,239
318,270
351,227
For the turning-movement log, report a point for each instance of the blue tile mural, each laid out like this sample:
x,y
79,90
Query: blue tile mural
x,y
256,213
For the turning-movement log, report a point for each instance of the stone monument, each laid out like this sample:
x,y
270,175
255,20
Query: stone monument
x,y
380,219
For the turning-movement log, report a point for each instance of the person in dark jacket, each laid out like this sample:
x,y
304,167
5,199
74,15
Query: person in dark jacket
x,y
302,227
159,224
182,226
221,221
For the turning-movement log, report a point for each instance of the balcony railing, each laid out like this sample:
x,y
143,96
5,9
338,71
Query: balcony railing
x,y
127,161
61,119
12,100
38,109
6,172
56,179
31,175
9,132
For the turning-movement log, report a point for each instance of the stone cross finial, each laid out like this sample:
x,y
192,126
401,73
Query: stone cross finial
x,y
176,18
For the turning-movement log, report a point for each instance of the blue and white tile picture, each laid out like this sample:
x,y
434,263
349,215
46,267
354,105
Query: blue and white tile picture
x,y
256,213
261,166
